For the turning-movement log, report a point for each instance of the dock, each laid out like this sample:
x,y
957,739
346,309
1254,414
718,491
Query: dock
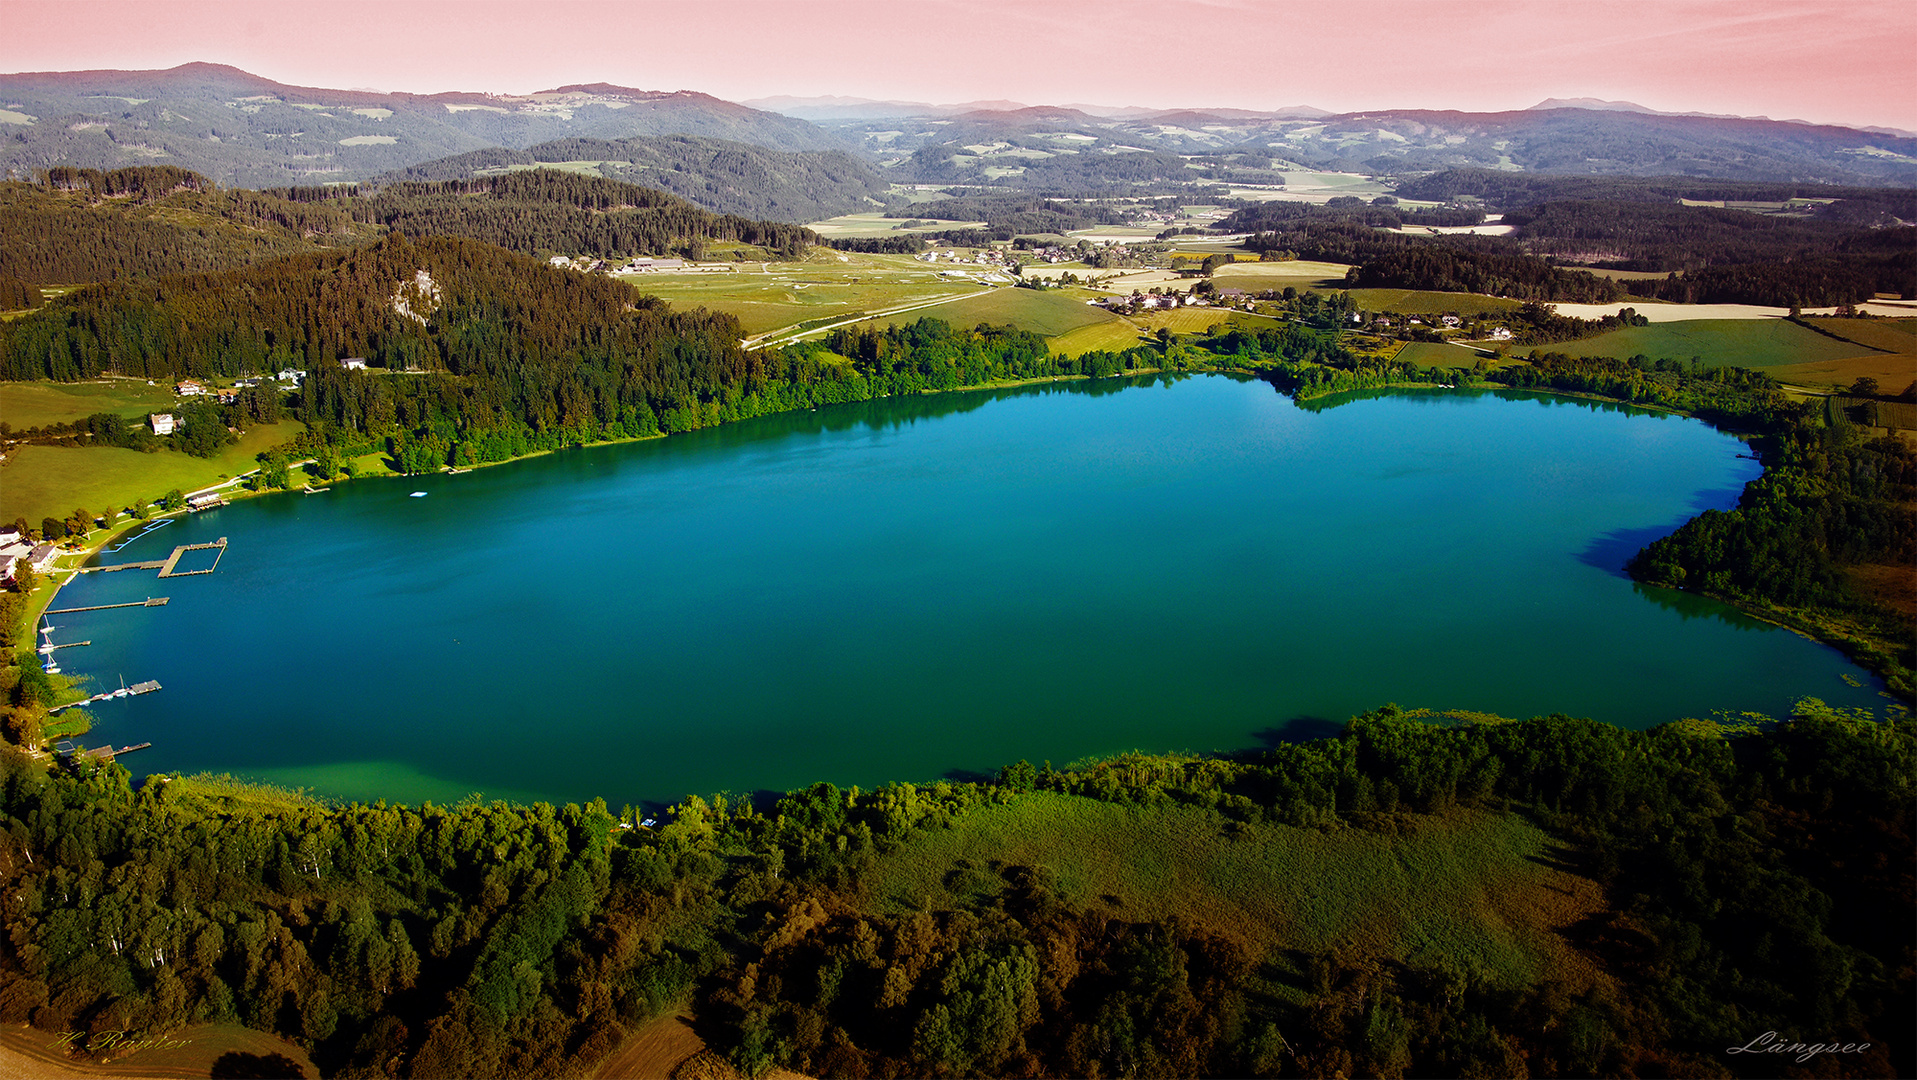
x,y
137,688
164,566
45,649
108,753
151,601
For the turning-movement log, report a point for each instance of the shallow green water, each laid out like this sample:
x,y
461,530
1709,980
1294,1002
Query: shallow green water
x,y
915,587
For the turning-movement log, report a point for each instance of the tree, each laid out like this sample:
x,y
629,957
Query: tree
x,y
142,510
24,579
1864,387
174,499
81,523
52,529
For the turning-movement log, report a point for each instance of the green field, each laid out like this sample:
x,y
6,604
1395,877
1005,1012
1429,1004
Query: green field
x,y
1747,343
1115,336
1421,302
1476,890
876,224
1258,276
50,481
772,295
36,404
1048,312
1439,354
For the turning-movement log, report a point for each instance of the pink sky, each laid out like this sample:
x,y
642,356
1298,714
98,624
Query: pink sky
x,y
1849,62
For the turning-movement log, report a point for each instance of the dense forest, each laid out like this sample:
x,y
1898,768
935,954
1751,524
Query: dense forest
x,y
1753,881
543,211
720,176
80,225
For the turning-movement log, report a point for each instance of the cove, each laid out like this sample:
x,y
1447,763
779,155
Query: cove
x,y
920,587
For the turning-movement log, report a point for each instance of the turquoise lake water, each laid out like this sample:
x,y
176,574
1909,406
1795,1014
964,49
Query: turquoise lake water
x,y
915,588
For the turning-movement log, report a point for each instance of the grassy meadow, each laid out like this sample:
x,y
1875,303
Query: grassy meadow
x,y
37,404
773,295
1748,343
1478,890
1439,354
50,481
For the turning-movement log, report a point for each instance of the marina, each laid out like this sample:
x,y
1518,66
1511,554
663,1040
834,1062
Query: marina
x,y
164,566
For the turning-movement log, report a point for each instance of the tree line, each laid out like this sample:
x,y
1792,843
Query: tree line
x,y
1754,879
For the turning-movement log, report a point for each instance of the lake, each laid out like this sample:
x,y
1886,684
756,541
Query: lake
x,y
933,586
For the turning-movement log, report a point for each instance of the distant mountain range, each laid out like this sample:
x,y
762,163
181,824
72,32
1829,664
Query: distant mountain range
x,y
247,131
244,130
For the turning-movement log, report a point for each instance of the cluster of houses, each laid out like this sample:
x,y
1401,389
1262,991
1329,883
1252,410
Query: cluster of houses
x,y
14,546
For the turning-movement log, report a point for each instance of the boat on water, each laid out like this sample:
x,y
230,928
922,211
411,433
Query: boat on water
x,y
417,495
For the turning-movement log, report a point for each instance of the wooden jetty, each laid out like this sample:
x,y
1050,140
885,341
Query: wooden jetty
x,y
164,566
108,753
151,601
44,649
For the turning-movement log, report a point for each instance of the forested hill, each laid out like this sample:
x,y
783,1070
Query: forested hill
x,y
722,176
80,225
244,130
546,211
443,303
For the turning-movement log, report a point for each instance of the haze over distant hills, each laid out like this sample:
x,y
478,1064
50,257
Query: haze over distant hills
x,y
244,130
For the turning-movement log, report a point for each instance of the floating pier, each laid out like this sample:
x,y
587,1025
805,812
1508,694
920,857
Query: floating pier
x,y
164,566
49,646
108,753
151,601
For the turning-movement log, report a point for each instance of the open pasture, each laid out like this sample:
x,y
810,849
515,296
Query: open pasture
x,y
878,225
769,295
1299,273
1890,335
1747,343
1048,313
1115,336
50,481
1422,302
1476,890
37,404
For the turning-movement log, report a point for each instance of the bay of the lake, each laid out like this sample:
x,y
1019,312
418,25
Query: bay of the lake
x,y
913,588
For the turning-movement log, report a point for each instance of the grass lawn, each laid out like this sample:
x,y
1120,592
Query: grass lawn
x,y
50,481
1893,371
1048,312
1747,343
37,404
1475,889
878,225
1439,354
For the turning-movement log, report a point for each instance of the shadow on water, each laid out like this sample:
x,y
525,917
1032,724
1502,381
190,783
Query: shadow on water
x,y
1610,551
1298,729
1689,606
968,776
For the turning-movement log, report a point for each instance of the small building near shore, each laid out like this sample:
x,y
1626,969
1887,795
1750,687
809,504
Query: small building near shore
x,y
163,423
41,558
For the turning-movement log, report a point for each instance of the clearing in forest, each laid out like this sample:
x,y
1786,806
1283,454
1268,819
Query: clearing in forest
x,y
1479,891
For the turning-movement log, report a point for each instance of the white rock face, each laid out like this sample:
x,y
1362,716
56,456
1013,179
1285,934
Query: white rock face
x,y
418,298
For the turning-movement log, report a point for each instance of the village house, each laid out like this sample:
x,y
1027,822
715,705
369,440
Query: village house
x,y
163,423
188,387
1501,334
353,363
291,375
41,558
1450,321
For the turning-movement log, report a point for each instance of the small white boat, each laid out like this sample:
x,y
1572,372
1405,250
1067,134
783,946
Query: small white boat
x,y
418,495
